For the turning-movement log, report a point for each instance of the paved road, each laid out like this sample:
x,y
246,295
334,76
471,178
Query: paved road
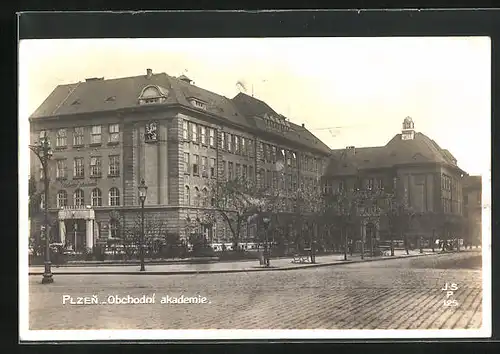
x,y
396,294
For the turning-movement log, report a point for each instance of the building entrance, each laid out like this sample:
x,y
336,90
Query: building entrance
x,y
75,234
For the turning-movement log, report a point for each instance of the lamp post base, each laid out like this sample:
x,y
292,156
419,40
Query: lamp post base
x,y
47,274
143,269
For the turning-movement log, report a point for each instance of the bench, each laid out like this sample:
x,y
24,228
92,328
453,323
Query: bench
x,y
304,257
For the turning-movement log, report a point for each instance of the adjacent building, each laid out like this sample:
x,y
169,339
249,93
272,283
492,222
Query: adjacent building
x,y
472,193
108,135
424,178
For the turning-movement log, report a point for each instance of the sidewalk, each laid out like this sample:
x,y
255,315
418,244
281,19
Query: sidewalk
x,y
224,267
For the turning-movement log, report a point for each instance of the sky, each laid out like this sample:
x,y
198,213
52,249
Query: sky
x,y
347,91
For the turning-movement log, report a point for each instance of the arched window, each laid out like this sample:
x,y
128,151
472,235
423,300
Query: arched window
x,y
62,198
204,197
187,195
96,197
114,196
78,198
196,196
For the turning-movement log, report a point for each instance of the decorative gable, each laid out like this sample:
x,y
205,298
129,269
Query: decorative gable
x,y
153,94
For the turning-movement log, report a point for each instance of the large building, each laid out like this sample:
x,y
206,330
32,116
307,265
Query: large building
x,y
424,178
472,194
108,135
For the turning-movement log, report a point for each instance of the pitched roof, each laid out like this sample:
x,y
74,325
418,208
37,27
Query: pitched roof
x,y
421,149
99,95
254,109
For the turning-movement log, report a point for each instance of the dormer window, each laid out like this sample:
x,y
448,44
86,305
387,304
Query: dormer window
x,y
111,99
198,103
153,94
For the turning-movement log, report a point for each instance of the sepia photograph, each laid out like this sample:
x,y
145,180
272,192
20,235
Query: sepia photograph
x,y
254,188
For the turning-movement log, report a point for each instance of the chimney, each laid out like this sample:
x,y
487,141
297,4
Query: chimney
x,y
303,125
149,73
350,150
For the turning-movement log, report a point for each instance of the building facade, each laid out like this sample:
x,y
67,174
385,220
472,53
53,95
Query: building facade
x,y
472,194
108,135
424,179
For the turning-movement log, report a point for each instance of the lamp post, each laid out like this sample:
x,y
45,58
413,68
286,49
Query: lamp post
x,y
43,151
143,189
266,222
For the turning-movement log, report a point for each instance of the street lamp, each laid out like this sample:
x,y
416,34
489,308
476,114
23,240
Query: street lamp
x,y
143,189
266,222
43,151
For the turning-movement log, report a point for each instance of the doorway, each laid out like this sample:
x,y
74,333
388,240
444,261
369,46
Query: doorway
x,y
75,234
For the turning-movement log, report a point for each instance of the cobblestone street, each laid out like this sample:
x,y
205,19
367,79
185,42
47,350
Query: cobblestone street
x,y
395,294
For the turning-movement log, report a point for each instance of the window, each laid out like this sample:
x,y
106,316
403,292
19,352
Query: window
x,y
369,184
196,164
250,172
294,159
224,169
204,166
95,167
294,182
261,149
229,142
250,147
288,155
186,162
78,167
61,169
245,172
187,195
269,178
223,140
96,197
114,165
196,196
244,151
62,199
61,138
185,130
114,133
194,133
341,186
212,168
238,170
230,169
114,196
78,198
380,183
275,179
204,200
236,144
78,135
114,228
203,135
95,135
211,133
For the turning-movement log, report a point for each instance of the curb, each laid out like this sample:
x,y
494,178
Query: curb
x,y
247,270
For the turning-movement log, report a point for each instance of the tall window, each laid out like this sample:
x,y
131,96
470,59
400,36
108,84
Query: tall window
x,y
204,166
78,136
204,199
114,165
244,146
187,196
185,130
224,176
244,172
61,171
95,167
212,168
223,141
203,135
194,133
261,149
229,142
114,196
61,137
114,228
230,169
236,144
250,147
238,170
114,133
96,197
250,172
369,184
211,133
186,162
42,201
196,165
78,198
196,196
78,168
95,134
62,198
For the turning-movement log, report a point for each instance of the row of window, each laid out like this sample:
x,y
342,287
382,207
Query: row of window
x,y
369,184
241,170
206,169
202,198
95,167
79,134
95,197
198,134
